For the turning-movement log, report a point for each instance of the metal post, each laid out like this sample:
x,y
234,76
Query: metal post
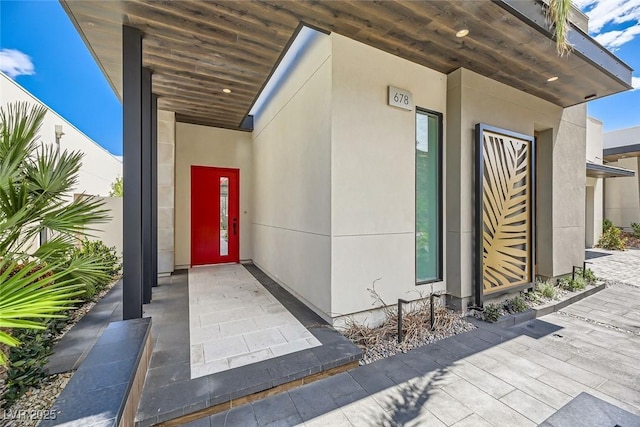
x,y
584,268
147,255
573,273
154,189
132,172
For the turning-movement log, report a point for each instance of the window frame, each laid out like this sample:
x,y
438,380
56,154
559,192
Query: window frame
x,y
440,246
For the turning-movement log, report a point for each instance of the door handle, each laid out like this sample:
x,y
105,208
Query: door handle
x,y
235,224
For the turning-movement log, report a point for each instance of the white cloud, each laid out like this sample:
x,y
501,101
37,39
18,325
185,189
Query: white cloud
x,y
15,63
635,82
612,12
615,39
582,4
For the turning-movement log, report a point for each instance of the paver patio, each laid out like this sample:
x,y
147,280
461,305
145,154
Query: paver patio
x,y
234,321
517,376
621,266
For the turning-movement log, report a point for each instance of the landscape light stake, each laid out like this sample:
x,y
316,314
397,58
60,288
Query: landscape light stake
x,y
400,302
584,267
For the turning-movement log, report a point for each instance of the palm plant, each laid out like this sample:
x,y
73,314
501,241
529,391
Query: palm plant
x,y
38,282
558,13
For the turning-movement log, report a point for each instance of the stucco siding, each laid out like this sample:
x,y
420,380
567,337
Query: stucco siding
x,y
373,174
291,182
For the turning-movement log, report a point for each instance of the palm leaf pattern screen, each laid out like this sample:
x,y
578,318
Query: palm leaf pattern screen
x,y
506,211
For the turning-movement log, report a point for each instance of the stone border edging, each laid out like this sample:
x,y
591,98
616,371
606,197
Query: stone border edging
x,y
552,307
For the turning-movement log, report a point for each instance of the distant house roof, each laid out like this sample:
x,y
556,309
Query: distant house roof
x,y
621,143
596,170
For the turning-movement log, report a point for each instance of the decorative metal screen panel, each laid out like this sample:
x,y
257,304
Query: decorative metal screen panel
x,y
504,223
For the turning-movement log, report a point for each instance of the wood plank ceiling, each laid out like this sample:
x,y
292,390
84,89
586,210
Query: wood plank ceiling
x,y
198,48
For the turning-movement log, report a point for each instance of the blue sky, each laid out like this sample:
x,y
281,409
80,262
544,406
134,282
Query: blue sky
x,y
65,76
42,51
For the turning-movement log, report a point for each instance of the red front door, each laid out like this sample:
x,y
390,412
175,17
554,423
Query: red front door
x,y
215,224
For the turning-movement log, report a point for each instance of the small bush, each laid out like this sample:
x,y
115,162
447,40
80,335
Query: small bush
x,y
636,229
516,305
589,276
606,225
106,253
491,312
546,289
26,361
612,239
100,264
117,188
532,296
576,284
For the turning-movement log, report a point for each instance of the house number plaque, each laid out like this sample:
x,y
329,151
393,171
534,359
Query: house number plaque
x,y
400,98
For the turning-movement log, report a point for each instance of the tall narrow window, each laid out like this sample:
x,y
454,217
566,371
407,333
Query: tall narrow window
x,y
428,197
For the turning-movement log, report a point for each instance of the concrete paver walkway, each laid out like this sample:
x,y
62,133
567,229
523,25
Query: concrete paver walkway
x,y
621,266
518,376
234,321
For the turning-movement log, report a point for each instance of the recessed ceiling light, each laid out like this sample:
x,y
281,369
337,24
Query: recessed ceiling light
x,y
462,33
552,79
226,90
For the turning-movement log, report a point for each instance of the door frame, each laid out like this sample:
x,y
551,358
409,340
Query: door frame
x,y
234,250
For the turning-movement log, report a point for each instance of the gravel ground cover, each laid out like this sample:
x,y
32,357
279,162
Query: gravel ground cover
x,y
381,341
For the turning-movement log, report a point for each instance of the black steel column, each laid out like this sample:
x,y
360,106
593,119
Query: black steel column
x,y
132,172
154,189
147,208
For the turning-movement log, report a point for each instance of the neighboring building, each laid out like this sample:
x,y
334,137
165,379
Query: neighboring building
x,y
423,146
599,176
99,167
622,196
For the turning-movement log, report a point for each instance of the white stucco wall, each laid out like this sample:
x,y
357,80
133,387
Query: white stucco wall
x,y
99,167
111,232
373,174
292,182
206,146
594,194
622,195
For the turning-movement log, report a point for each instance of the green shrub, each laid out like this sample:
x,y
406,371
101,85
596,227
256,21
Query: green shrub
x,y
532,296
636,229
103,259
516,305
589,276
606,225
117,188
491,312
612,239
27,360
106,253
546,289
576,284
